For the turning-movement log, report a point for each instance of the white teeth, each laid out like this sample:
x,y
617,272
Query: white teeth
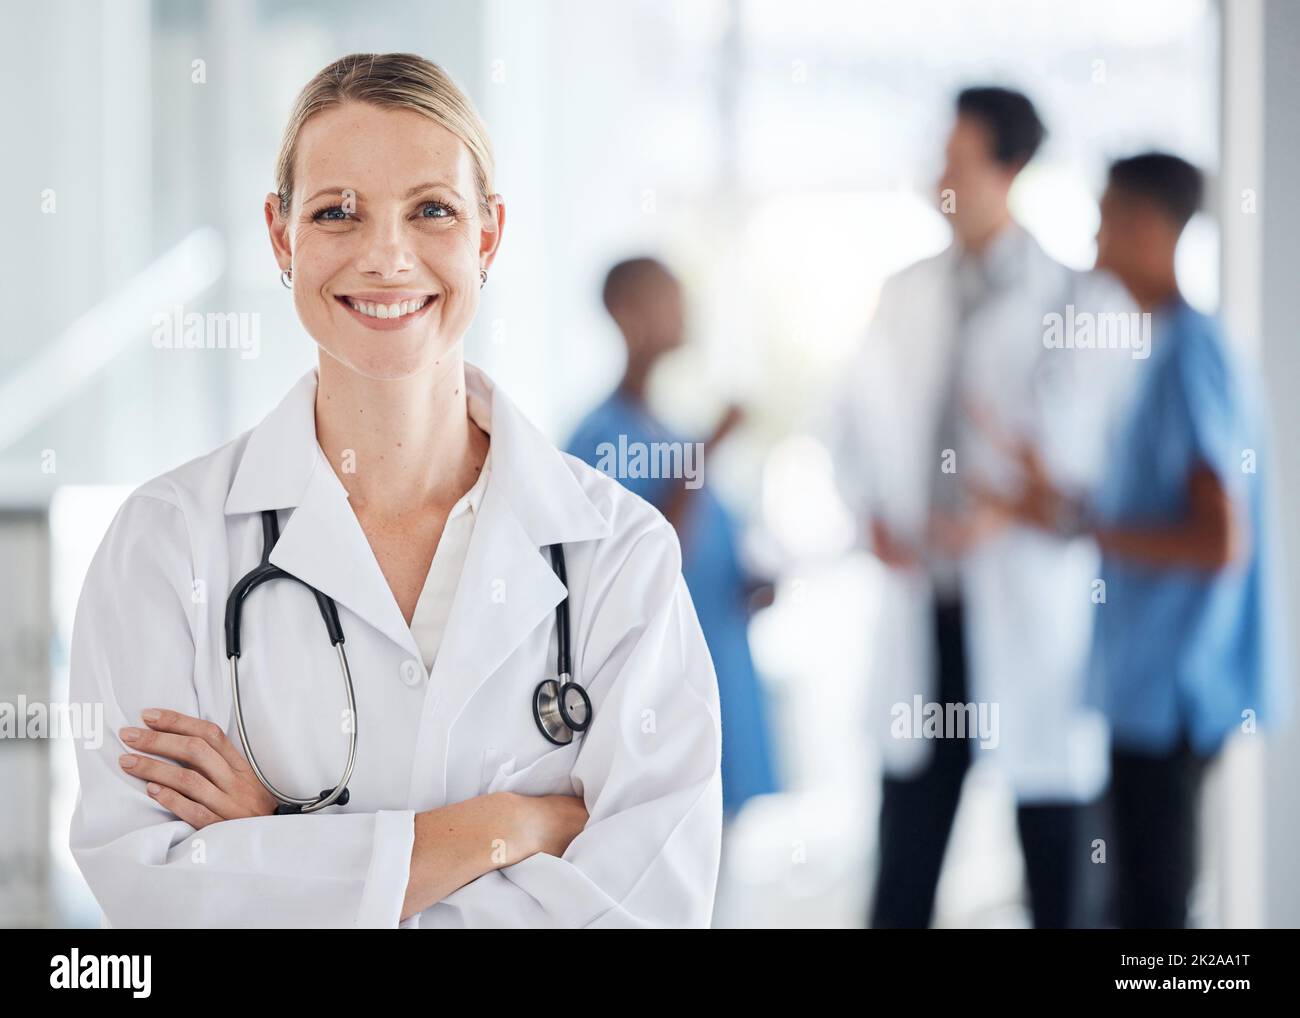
x,y
398,310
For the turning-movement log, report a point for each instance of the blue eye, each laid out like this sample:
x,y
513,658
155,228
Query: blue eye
x,y
327,215
337,214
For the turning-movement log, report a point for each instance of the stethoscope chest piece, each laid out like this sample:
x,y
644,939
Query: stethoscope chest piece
x,y
561,708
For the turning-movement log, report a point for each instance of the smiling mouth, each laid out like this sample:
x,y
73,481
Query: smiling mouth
x,y
388,312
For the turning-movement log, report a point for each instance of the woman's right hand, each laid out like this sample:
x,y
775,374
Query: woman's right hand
x,y
549,822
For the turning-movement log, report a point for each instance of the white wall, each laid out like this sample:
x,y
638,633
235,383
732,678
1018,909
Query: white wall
x,y
1280,218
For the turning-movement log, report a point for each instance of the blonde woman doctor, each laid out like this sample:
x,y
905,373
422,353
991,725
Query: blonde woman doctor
x,y
407,488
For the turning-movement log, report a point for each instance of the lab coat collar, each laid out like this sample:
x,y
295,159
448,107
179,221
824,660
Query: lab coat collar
x,y
539,484
282,455
1001,264
532,499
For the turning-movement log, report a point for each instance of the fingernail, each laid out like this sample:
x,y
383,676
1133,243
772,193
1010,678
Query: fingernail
x,y
130,734
151,714
153,789
126,760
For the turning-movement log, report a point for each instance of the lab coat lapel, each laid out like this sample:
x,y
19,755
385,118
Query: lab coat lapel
x,y
322,542
508,587
506,590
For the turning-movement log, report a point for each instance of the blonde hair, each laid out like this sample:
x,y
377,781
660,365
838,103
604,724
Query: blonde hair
x,y
393,81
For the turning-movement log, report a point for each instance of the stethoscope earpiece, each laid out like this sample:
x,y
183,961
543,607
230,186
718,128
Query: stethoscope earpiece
x,y
285,809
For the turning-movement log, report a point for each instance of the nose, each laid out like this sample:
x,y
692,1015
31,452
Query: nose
x,y
386,253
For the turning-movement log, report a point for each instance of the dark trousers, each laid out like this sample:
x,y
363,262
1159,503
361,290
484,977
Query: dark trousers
x,y
917,812
1154,806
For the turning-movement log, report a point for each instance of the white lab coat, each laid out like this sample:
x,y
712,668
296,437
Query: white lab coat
x,y
1027,595
149,632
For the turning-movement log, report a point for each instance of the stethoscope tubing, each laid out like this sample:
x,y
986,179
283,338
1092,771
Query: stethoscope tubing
x,y
315,803
557,713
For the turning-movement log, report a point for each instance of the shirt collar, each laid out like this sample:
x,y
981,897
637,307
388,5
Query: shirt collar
x,y
469,502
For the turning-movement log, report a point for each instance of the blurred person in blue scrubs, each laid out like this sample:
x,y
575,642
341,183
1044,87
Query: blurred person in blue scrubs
x,y
624,438
1186,645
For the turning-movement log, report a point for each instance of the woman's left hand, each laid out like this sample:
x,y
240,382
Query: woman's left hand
x,y
215,782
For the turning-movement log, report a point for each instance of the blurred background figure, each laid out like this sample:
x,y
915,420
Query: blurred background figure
x,y
979,613
1188,645
645,301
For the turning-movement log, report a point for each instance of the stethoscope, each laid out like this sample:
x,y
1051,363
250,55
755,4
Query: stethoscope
x,y
561,706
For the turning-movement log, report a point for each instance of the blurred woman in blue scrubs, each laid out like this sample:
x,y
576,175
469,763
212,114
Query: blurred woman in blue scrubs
x,y
623,437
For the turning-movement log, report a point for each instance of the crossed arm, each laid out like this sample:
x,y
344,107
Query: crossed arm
x,y
209,782
200,848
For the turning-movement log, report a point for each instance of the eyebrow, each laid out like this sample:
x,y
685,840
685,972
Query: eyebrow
x,y
411,193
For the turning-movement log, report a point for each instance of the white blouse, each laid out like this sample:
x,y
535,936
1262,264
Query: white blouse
x,y
434,606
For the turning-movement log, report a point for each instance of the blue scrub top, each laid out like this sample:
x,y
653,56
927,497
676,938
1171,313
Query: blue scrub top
x,y
716,581
1186,651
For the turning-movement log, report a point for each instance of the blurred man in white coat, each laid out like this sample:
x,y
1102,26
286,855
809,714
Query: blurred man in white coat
x,y
984,629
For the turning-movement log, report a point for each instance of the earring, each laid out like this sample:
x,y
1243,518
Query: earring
x,y
482,277
286,279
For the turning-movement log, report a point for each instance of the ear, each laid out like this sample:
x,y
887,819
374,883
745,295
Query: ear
x,y
278,228
492,231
